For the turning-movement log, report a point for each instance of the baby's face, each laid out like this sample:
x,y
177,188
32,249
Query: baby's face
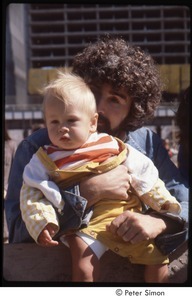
x,y
69,127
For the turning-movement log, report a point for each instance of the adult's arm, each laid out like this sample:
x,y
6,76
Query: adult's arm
x,y
17,229
106,185
169,231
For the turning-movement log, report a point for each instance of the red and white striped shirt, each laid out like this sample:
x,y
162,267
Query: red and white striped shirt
x,y
98,148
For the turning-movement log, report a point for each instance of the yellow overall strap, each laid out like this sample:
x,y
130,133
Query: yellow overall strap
x,y
45,159
113,162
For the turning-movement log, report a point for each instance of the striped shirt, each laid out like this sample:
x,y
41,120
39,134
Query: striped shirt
x,y
98,148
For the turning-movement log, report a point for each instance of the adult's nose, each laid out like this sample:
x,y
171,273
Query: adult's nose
x,y
101,106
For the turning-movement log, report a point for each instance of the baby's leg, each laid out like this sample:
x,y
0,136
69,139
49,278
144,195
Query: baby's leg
x,y
85,264
156,273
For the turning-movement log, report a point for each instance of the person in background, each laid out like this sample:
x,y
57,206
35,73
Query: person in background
x,y
172,151
9,152
182,120
166,143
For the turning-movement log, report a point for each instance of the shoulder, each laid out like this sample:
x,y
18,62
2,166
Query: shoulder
x,y
38,138
145,140
30,145
142,133
141,139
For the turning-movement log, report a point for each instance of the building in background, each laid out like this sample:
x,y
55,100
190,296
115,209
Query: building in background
x,y
43,37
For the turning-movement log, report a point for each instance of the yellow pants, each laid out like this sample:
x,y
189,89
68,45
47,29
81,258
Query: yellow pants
x,y
104,212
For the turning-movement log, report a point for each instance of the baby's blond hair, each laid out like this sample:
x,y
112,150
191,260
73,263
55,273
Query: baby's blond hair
x,y
70,89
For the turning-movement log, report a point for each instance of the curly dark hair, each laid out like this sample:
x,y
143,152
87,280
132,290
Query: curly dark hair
x,y
114,61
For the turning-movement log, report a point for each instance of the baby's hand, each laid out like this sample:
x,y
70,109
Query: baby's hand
x,y
45,237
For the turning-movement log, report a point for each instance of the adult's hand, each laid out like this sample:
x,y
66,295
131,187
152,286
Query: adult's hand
x,y
136,227
113,184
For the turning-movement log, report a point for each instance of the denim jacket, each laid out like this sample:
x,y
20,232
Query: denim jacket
x,y
142,139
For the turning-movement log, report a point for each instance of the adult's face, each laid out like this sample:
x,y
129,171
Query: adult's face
x,y
113,106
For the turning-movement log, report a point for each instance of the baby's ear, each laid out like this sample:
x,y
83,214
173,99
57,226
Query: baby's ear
x,y
93,123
